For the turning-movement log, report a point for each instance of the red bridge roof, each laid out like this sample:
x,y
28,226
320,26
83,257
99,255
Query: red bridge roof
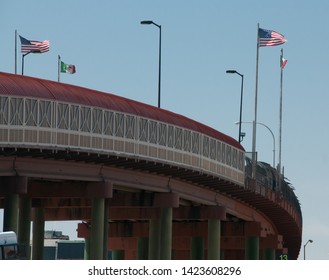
x,y
24,86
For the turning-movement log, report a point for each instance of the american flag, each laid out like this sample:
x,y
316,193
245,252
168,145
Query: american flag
x,y
269,38
34,46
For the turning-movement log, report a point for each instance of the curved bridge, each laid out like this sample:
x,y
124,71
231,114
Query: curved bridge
x,y
134,172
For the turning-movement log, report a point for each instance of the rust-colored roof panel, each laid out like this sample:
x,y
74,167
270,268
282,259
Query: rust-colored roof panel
x,y
18,85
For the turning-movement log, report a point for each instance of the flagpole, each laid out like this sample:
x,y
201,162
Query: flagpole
x,y
59,67
254,158
15,51
280,123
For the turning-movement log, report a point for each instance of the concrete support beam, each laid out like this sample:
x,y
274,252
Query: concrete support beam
x,y
69,210
70,189
166,200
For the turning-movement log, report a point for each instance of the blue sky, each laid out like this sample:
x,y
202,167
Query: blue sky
x,y
114,53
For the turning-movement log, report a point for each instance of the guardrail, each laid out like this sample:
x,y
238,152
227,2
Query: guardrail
x,y
48,124
267,185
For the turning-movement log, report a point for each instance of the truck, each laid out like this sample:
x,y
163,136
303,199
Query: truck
x,y
8,245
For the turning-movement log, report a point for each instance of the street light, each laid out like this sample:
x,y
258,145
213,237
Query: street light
x,y
308,241
240,122
272,137
159,79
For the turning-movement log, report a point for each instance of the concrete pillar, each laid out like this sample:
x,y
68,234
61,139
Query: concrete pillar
x,y
166,234
252,232
269,245
118,255
214,239
269,254
142,248
154,239
10,214
252,248
38,234
24,227
87,248
97,229
98,191
12,186
106,230
165,201
197,248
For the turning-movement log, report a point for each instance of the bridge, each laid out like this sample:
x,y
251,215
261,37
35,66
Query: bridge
x,y
145,183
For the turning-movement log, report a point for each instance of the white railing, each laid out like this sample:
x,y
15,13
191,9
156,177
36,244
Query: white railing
x,y
37,123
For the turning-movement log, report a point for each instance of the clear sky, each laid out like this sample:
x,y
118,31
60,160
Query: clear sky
x,y
114,53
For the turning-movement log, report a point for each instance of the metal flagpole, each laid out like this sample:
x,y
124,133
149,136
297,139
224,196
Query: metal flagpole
x,y
254,157
59,67
280,123
15,51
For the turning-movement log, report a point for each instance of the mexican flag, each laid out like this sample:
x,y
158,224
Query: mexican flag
x,y
67,68
283,62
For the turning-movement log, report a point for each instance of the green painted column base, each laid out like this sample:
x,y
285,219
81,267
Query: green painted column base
x,y
252,248
197,248
154,239
213,239
118,255
269,254
142,248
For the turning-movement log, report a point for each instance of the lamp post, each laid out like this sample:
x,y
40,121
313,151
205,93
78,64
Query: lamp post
x,y
240,122
262,124
308,241
159,79
23,56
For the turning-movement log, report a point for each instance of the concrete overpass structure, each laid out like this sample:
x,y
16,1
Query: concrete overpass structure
x,y
147,183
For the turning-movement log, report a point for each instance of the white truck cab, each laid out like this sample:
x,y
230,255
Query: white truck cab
x,y
8,245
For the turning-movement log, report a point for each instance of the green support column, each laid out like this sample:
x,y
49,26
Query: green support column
x,y
118,255
142,248
197,248
166,234
86,253
269,254
38,234
251,248
97,229
98,192
213,239
222,254
106,230
154,239
12,187
10,216
165,202
24,227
